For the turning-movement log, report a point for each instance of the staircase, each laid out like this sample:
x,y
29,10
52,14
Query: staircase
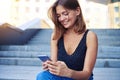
x,y
27,55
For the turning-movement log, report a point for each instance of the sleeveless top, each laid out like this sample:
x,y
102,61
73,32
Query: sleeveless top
x,y
74,61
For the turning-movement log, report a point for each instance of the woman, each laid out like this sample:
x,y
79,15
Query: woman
x,y
73,47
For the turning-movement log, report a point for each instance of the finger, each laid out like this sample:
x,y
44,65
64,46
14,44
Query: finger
x,y
52,63
53,71
44,63
45,66
52,66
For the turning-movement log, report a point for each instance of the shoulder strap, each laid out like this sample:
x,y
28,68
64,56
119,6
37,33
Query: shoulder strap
x,y
86,32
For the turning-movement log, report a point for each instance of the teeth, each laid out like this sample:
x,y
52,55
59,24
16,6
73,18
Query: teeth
x,y
65,23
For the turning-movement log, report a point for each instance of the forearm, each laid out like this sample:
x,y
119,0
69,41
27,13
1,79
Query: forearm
x,y
53,54
53,57
54,50
78,75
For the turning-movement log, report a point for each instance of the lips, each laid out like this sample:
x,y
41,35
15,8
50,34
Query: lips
x,y
64,23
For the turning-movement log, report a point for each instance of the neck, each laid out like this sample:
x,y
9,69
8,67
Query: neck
x,y
69,31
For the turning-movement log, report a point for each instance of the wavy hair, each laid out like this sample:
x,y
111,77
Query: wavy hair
x,y
70,5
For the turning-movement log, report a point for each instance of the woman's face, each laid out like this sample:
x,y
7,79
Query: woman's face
x,y
67,17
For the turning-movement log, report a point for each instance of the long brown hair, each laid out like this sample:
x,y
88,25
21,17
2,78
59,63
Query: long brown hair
x,y
71,5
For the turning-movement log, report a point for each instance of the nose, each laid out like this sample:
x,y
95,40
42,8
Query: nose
x,y
61,18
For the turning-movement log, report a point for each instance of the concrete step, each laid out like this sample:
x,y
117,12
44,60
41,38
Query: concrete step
x,y
109,43
10,72
30,72
106,74
21,61
108,49
46,48
110,32
105,37
18,57
38,42
100,42
100,32
109,40
22,54
45,31
108,56
32,54
110,63
46,34
41,39
100,38
25,48
43,34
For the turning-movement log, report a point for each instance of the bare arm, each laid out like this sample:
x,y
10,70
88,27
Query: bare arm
x,y
54,49
90,58
53,52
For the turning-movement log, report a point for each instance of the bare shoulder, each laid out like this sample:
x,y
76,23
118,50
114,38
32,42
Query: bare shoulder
x,y
91,37
52,38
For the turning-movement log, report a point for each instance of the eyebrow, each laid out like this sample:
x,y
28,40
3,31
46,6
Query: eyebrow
x,y
62,12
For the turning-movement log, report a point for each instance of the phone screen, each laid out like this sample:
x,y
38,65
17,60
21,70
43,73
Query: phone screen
x,y
43,58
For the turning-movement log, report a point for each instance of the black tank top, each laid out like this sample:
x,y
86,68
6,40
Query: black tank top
x,y
76,60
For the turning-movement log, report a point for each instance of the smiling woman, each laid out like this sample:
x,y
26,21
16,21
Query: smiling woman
x,y
70,13
66,16
73,47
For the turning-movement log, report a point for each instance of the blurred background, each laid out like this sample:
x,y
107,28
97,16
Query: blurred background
x,y
25,33
97,13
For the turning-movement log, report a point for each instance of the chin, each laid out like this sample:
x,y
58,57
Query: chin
x,y
66,26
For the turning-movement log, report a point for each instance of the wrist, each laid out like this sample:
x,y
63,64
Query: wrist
x,y
70,72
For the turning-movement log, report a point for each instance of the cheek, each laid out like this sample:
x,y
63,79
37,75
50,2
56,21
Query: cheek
x,y
73,16
73,19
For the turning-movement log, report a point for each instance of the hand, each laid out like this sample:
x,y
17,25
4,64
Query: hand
x,y
45,66
58,68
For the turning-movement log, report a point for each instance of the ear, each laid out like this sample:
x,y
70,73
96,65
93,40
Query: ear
x,y
78,11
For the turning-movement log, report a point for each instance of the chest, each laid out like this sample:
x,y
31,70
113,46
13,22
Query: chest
x,y
71,43
72,52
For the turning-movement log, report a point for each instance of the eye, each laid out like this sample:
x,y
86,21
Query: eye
x,y
57,15
65,13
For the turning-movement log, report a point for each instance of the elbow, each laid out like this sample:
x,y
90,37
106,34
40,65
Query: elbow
x,y
87,75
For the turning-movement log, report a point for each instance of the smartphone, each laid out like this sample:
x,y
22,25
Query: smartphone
x,y
43,58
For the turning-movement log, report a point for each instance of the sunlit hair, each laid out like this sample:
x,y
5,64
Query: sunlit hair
x,y
70,5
